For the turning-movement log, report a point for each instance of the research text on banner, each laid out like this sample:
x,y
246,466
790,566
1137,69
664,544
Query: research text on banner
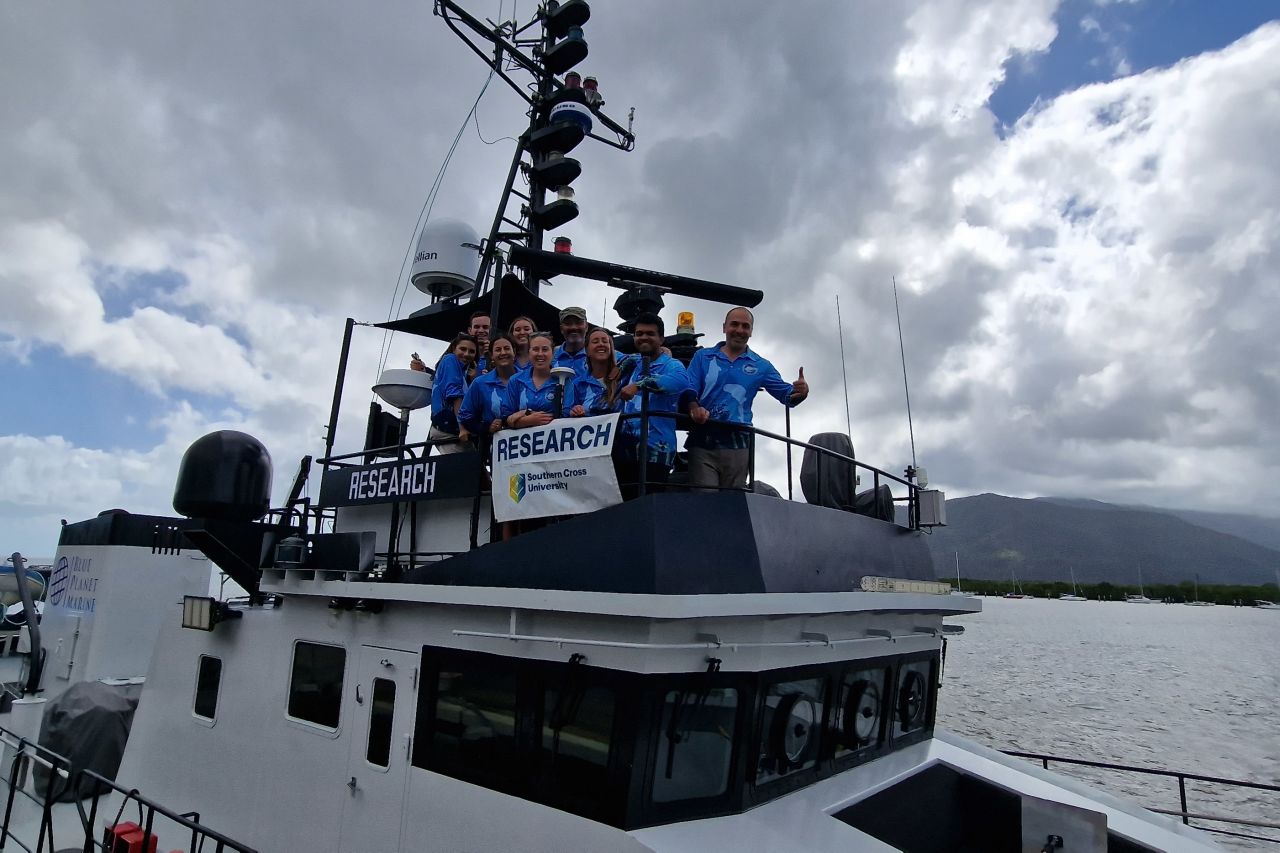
x,y
563,468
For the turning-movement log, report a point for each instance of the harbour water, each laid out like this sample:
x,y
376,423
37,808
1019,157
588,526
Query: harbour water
x,y
1172,687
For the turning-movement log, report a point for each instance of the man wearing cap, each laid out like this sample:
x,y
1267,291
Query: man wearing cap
x,y
726,379
573,352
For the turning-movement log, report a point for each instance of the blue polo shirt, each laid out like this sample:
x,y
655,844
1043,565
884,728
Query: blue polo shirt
x,y
483,402
450,384
577,360
521,394
726,389
591,394
666,379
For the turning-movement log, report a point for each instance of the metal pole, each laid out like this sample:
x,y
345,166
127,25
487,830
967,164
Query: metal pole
x,y
491,245
33,624
537,192
1182,794
790,496
337,389
642,470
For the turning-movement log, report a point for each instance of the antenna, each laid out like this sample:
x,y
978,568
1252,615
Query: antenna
x,y
905,388
844,370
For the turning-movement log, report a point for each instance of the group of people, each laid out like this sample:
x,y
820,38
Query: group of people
x,y
489,382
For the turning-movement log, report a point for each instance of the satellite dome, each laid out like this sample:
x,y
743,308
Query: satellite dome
x,y
224,475
447,259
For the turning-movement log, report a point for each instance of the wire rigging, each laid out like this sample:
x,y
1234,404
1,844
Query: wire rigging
x,y
844,371
424,215
907,390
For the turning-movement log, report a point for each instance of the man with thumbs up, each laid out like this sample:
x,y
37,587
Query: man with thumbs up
x,y
726,380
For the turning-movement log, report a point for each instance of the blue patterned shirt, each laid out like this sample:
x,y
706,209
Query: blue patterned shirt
x,y
726,389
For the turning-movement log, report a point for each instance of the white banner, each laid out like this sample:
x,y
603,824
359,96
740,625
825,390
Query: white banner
x,y
563,468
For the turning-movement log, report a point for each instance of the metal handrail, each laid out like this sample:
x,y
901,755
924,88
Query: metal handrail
x,y
1182,777
683,420
64,776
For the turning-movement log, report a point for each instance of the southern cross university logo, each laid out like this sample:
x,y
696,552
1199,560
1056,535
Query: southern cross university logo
x,y
516,488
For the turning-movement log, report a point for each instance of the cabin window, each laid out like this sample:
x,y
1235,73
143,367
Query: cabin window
x,y
861,708
577,732
913,698
695,745
474,736
208,679
791,720
545,731
382,710
315,686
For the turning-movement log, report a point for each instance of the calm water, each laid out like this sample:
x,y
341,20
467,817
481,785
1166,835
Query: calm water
x,y
1154,685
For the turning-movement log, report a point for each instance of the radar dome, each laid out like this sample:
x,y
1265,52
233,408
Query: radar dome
x,y
224,475
447,259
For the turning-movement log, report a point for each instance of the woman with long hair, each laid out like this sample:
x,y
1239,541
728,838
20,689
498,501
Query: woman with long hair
x,y
520,330
481,412
531,394
447,391
596,393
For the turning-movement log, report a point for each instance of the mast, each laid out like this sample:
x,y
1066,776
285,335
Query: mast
x,y
554,49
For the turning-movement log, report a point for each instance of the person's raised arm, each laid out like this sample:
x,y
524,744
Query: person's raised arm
x,y
450,376
786,393
673,379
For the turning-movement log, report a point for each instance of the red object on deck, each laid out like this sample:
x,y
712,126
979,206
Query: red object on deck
x,y
128,837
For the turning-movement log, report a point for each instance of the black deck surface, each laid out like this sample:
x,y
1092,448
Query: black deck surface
x,y
689,544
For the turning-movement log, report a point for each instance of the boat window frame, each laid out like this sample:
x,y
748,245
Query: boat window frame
x,y
535,681
302,722
368,735
653,740
887,667
203,720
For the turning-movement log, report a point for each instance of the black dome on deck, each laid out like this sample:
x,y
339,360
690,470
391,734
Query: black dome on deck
x,y
224,475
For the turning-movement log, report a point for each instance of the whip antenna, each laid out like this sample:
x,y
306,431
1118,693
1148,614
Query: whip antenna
x,y
844,370
905,388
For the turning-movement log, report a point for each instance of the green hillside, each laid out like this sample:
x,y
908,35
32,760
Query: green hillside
x,y
1043,539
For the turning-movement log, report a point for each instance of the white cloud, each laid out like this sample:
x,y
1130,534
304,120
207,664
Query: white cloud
x,y
1086,302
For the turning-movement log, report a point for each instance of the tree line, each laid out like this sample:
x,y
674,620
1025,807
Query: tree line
x,y
1177,593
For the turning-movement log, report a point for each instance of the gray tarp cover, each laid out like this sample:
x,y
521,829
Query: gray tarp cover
x,y
89,726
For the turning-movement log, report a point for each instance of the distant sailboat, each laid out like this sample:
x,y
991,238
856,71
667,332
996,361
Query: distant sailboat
x,y
957,590
1074,595
1017,592
1141,597
1197,602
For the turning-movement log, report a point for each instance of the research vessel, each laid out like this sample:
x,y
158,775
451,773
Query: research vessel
x,y
746,669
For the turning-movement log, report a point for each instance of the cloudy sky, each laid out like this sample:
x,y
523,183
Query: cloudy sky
x,y
1079,201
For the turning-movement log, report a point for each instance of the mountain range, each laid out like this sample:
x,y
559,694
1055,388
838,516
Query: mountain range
x,y
1047,538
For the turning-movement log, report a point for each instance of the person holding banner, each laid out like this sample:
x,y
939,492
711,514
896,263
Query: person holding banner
x,y
447,391
596,393
531,398
652,372
481,412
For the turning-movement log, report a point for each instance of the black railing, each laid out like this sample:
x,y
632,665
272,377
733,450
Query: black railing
x,y
315,516
1182,777
878,476
24,756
